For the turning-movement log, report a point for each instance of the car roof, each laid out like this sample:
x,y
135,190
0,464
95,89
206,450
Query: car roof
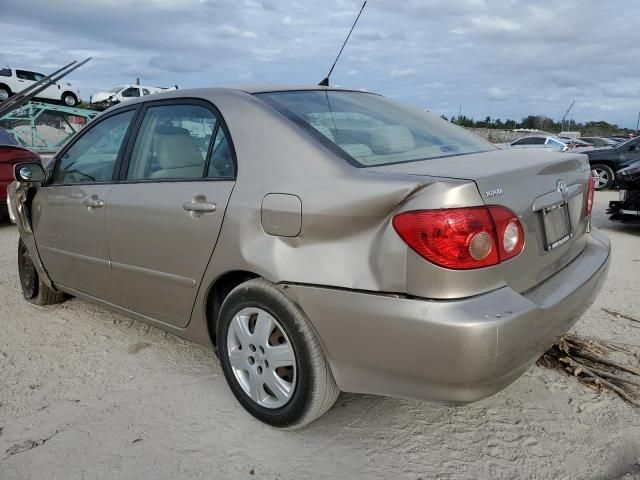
x,y
216,91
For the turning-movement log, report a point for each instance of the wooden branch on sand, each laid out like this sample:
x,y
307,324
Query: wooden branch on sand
x,y
587,359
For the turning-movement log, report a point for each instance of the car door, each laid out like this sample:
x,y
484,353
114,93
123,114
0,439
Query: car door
x,y
24,79
165,214
52,92
69,212
630,152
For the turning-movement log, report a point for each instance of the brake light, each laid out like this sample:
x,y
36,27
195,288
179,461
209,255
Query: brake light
x,y
462,238
590,194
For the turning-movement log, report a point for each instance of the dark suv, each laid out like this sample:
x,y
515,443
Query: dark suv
x,y
605,162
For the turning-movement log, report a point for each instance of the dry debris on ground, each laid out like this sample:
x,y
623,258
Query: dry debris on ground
x,y
600,364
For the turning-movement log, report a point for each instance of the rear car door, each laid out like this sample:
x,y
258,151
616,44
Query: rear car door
x,y
166,212
24,79
69,213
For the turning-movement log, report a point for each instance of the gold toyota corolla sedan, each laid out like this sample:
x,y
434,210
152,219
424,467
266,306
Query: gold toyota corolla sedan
x,y
322,240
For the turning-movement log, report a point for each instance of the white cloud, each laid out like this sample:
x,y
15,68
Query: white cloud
x,y
497,93
403,72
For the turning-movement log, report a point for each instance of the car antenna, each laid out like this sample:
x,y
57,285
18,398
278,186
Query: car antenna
x,y
325,80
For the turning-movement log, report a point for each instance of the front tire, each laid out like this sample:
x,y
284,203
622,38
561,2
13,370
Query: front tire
x,y
33,289
69,99
272,358
603,176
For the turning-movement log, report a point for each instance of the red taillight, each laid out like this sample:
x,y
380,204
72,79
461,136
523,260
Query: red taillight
x,y
462,238
590,193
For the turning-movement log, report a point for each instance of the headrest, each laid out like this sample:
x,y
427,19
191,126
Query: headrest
x,y
324,131
171,130
357,150
392,139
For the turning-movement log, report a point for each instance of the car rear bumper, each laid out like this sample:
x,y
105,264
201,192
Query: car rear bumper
x,y
448,351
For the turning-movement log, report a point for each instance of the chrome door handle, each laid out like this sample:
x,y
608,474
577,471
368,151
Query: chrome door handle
x,y
93,202
200,207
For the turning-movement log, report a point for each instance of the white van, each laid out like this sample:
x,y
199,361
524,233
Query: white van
x,y
14,80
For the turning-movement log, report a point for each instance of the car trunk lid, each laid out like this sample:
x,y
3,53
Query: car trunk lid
x,y
544,189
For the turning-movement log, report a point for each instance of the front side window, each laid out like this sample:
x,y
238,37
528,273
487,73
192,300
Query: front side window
x,y
371,130
173,143
131,92
24,75
92,158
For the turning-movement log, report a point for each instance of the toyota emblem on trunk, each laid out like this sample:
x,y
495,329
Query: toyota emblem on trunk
x,y
561,186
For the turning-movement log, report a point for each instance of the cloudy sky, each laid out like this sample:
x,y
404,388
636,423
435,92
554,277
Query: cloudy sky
x,y
502,58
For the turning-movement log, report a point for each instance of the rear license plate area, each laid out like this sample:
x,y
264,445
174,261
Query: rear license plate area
x,y
557,225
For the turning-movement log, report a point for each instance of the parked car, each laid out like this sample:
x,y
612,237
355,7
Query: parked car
x,y
550,142
576,143
11,152
627,207
14,80
123,93
605,162
600,141
321,240
541,141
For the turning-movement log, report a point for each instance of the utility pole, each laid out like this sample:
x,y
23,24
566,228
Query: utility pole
x,y
565,114
638,122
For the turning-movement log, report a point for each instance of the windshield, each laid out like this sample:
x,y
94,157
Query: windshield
x,y
115,89
372,130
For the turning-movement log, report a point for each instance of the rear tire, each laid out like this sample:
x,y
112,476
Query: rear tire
x,y
603,176
69,99
309,389
5,93
33,289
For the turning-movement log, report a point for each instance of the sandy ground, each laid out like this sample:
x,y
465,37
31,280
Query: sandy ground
x,y
100,396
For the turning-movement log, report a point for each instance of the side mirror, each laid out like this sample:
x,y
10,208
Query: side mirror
x,y
29,173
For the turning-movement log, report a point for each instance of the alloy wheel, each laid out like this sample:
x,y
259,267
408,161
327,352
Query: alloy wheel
x,y
3,94
262,358
601,177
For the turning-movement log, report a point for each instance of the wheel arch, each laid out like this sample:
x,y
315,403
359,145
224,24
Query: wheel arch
x,y
608,163
218,291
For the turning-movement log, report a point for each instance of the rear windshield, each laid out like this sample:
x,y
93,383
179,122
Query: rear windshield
x,y
371,130
6,138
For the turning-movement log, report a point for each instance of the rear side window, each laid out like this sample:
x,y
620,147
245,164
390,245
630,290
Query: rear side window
x,y
221,164
92,158
555,143
5,72
173,143
371,130
24,75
